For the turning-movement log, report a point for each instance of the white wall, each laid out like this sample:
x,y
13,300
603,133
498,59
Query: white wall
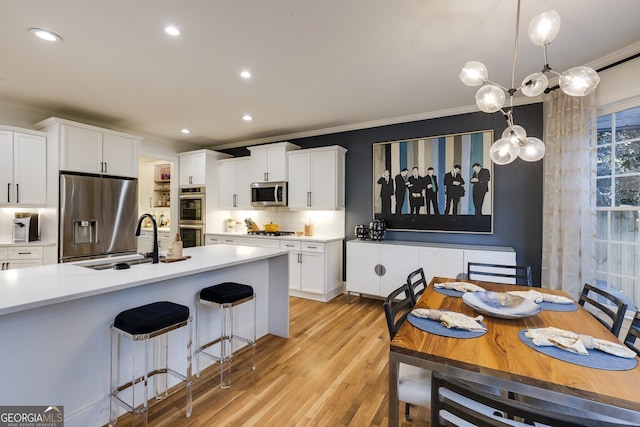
x,y
619,85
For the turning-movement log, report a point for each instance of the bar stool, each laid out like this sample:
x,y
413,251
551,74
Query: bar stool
x,y
145,325
225,296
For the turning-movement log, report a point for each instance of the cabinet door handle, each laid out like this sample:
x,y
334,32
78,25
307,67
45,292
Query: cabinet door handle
x,y
235,204
150,202
266,176
190,180
289,246
17,193
312,247
8,193
105,167
380,270
300,258
24,253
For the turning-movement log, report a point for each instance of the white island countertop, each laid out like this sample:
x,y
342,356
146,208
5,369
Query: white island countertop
x,y
54,320
33,287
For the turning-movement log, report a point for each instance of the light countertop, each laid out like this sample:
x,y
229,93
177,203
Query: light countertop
x,y
317,239
35,243
32,287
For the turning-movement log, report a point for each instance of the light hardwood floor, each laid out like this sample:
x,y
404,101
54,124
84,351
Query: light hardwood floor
x,y
332,371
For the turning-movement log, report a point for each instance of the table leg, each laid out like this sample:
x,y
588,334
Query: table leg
x,y
393,390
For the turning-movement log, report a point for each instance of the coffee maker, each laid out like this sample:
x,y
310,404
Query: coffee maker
x,y
25,227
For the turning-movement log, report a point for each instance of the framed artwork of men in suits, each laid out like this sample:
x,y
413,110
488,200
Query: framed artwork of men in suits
x,y
438,184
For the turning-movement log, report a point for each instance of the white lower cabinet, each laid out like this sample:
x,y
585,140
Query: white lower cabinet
x,y
314,269
145,241
377,268
20,257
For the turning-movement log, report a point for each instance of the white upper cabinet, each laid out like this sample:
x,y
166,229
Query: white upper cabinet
x,y
23,167
94,151
317,178
90,149
200,167
269,162
234,183
193,168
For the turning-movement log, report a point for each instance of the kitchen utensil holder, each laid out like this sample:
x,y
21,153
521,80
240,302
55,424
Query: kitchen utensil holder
x,y
308,230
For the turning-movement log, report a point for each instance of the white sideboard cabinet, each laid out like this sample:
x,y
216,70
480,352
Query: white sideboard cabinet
x,y
377,268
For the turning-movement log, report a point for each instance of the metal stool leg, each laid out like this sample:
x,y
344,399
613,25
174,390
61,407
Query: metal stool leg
x,y
226,345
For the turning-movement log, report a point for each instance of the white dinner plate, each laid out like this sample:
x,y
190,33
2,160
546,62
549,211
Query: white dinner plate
x,y
501,304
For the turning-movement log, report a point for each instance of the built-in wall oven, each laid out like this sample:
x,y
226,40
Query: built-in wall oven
x,y
192,215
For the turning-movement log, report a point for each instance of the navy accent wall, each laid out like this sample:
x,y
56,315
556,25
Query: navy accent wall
x,y
517,186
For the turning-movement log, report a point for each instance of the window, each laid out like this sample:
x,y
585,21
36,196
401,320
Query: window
x,y
618,202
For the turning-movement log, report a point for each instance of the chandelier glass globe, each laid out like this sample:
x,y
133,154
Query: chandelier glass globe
x,y
579,81
490,98
532,150
504,151
474,73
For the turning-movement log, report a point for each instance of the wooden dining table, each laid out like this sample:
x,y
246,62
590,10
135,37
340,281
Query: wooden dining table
x,y
500,353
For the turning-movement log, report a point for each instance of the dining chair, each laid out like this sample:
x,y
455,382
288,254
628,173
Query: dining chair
x,y
457,401
520,274
417,284
602,305
413,382
633,335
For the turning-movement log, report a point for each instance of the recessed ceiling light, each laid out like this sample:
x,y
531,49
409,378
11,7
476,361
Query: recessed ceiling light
x,y
245,74
45,35
247,118
185,131
171,30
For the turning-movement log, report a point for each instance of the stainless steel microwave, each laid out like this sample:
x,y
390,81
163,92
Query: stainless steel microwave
x,y
269,194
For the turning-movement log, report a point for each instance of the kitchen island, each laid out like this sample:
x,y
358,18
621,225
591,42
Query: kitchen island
x,y
54,320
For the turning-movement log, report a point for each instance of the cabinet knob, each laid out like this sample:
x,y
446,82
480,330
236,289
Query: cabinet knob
x,y
380,270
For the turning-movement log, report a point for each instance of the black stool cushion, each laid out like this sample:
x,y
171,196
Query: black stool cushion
x,y
227,292
151,317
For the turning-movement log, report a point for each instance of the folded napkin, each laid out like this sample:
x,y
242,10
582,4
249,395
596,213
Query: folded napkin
x,y
451,319
576,343
537,297
460,286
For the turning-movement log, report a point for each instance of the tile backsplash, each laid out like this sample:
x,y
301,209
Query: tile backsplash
x,y
325,223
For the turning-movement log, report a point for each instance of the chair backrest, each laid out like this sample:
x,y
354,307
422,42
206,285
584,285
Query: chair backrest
x,y
417,284
453,399
397,307
520,274
607,304
633,336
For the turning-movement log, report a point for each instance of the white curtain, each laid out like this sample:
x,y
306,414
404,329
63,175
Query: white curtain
x,y
568,256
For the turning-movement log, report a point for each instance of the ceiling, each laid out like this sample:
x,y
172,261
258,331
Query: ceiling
x,y
318,66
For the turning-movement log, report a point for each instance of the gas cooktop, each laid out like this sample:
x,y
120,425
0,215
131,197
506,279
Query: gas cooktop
x,y
270,233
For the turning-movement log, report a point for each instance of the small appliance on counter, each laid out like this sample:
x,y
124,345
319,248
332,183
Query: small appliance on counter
x,y
26,227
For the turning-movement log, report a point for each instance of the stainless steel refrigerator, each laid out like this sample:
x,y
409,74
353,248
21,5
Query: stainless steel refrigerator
x,y
97,217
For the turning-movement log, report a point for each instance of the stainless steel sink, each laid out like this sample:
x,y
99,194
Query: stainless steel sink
x,y
118,265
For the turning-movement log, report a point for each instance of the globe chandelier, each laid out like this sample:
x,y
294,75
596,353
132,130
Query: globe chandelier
x,y
491,97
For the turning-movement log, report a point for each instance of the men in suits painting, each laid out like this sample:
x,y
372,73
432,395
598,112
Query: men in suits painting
x,y
401,189
480,181
431,191
386,191
454,189
416,186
